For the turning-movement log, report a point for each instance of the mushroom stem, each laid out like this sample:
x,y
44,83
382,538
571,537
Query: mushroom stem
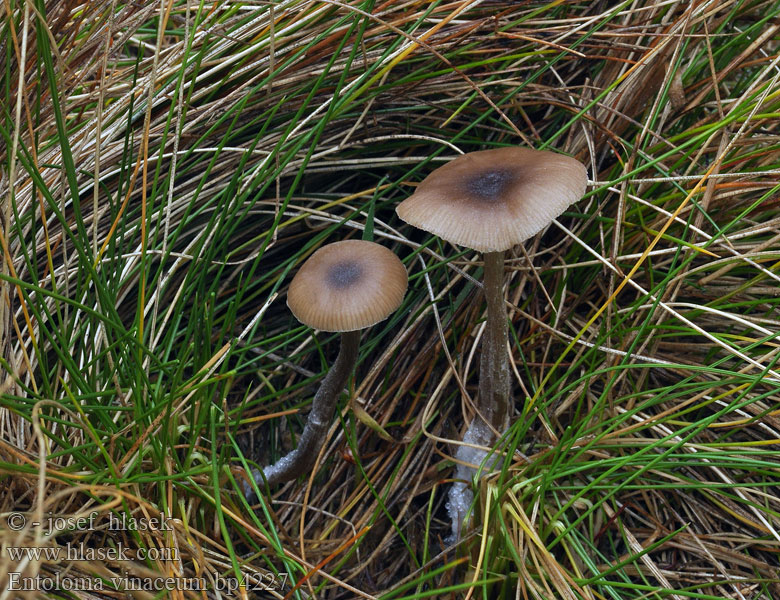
x,y
494,361
300,460
493,403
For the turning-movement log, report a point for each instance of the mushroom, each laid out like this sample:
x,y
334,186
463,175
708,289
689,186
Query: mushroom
x,y
343,287
489,201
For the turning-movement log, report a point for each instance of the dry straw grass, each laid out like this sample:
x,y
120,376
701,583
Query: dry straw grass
x,y
166,165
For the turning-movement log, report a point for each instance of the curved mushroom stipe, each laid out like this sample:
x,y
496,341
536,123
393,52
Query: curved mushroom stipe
x,y
299,461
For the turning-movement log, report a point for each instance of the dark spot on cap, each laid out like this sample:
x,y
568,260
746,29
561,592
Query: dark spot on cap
x,y
489,185
344,274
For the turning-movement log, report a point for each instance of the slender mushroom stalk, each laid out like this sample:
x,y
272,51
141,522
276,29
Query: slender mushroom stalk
x,y
494,361
343,287
300,460
489,201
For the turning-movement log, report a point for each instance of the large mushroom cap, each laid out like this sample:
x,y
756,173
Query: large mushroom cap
x,y
346,286
493,199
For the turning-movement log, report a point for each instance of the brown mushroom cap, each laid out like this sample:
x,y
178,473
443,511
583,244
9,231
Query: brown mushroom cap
x,y
347,286
493,199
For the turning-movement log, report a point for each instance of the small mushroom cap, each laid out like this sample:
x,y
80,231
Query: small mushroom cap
x,y
493,199
347,286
